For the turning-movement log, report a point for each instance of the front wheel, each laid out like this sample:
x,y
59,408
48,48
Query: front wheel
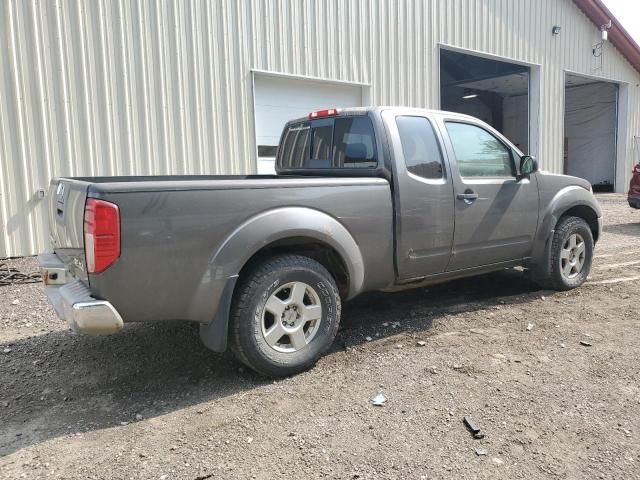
x,y
285,315
571,254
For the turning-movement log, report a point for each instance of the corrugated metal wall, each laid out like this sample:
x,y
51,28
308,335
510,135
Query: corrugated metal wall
x,y
105,87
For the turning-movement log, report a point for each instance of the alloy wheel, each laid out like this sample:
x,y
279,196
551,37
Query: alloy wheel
x,y
291,317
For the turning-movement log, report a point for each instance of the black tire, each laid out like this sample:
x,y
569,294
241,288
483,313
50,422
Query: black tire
x,y
260,284
555,279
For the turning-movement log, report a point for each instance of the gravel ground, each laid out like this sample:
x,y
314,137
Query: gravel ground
x,y
151,402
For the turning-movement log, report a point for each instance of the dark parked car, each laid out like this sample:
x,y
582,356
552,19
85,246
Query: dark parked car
x,y
364,199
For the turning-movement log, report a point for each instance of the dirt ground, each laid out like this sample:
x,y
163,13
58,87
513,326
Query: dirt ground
x,y
152,402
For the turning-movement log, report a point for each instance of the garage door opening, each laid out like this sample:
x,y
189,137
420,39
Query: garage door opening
x,y
494,91
278,99
590,131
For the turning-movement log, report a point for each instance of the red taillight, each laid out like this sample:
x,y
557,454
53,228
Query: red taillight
x,y
323,113
101,234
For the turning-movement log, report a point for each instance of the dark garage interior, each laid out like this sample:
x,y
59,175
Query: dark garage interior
x,y
494,91
590,130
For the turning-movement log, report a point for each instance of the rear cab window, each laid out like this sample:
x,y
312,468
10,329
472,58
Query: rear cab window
x,y
339,143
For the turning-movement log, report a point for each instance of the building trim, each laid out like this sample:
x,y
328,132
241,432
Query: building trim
x,y
596,78
600,15
271,73
490,56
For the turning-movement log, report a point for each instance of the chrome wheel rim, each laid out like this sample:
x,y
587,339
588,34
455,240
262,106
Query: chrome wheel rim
x,y
291,317
572,256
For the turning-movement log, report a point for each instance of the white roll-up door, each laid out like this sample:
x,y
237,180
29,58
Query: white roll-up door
x,y
279,99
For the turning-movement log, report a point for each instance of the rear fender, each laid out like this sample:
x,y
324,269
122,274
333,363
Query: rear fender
x,y
289,222
258,232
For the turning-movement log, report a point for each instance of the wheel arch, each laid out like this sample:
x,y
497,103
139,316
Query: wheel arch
x,y
291,229
322,252
585,212
299,230
569,201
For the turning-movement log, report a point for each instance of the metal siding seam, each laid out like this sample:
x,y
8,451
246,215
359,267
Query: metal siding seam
x,y
43,160
18,199
230,84
200,102
5,134
44,97
87,80
214,111
145,86
216,23
245,150
108,97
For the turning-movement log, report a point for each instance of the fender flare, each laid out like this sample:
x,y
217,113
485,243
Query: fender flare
x,y
565,199
270,226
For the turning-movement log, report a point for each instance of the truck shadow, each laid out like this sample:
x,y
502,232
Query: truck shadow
x,y
58,383
631,229
379,314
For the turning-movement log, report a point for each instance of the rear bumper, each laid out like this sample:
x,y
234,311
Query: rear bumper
x,y
634,202
73,302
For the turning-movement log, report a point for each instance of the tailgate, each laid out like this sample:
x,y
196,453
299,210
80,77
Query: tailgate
x,y
67,199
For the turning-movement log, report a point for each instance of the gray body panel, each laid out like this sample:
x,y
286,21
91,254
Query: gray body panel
x,y
185,240
182,240
424,209
498,226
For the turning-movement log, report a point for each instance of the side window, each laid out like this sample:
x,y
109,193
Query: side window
x,y
420,148
321,136
354,143
478,153
295,146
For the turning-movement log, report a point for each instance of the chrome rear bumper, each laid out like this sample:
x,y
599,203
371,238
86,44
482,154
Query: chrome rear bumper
x,y
73,301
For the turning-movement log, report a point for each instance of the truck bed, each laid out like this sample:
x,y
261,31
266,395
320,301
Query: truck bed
x,y
172,227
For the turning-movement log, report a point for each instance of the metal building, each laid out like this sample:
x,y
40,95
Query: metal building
x,y
141,87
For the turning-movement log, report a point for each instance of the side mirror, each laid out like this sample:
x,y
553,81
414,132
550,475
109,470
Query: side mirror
x,y
528,165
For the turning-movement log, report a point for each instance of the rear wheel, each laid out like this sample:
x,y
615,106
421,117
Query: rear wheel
x,y
571,254
285,315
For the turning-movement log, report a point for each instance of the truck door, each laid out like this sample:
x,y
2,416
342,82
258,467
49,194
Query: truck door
x,y
423,193
496,214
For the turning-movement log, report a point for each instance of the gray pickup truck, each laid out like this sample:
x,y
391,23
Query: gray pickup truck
x,y
364,199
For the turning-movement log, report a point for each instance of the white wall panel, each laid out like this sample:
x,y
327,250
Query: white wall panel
x,y
104,87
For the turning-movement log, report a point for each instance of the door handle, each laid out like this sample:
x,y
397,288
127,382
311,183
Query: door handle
x,y
469,196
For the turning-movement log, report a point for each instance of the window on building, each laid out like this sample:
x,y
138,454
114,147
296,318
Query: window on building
x,y
267,151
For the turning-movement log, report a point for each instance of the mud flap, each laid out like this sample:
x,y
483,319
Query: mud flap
x,y
541,265
214,334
